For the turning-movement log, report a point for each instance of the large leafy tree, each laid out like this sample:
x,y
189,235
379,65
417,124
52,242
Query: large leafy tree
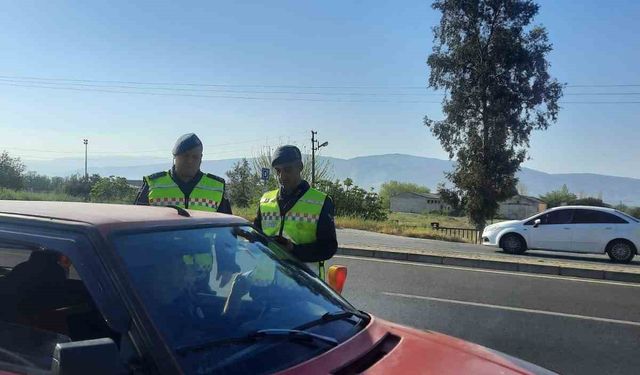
x,y
11,171
491,64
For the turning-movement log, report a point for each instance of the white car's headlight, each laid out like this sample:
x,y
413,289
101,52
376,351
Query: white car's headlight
x,y
488,230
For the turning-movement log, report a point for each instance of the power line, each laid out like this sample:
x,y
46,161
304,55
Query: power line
x,y
606,85
218,96
32,82
257,142
170,89
274,98
266,86
219,85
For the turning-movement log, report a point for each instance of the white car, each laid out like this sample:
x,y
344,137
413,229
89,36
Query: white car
x,y
580,229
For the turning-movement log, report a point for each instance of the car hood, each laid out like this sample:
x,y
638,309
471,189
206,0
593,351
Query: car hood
x,y
388,348
502,224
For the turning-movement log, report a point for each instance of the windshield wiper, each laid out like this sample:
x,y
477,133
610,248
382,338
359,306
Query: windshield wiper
x,y
333,316
290,334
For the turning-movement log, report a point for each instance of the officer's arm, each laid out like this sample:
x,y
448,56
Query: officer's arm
x,y
257,222
326,244
143,195
225,207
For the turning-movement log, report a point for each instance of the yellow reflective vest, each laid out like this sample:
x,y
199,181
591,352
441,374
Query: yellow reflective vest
x,y
299,224
206,195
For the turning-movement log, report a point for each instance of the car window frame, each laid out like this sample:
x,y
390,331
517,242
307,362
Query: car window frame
x,y
532,220
598,212
78,242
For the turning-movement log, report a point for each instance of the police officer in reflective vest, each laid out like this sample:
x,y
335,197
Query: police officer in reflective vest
x,y
298,216
184,185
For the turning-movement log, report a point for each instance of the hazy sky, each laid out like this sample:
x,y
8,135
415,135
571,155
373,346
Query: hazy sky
x,y
366,58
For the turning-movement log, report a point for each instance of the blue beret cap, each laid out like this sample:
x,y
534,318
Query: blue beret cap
x,y
286,154
186,143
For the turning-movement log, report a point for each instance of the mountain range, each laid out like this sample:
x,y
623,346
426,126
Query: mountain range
x,y
366,171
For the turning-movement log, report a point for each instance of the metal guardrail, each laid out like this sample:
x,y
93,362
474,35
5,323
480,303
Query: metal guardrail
x,y
471,235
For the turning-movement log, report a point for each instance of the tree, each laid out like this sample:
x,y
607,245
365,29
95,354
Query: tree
x,y
243,186
11,170
79,186
391,188
491,65
560,197
112,190
37,182
589,201
354,201
450,197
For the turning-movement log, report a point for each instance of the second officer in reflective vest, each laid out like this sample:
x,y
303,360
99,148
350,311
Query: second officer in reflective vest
x,y
298,216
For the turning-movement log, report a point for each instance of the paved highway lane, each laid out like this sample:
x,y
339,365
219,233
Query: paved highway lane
x,y
570,325
362,239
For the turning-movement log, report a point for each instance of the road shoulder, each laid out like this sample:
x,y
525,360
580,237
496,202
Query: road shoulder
x,y
500,261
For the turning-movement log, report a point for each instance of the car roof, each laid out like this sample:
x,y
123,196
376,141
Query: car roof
x,y
112,215
606,209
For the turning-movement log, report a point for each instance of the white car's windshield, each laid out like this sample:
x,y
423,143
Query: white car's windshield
x,y
207,289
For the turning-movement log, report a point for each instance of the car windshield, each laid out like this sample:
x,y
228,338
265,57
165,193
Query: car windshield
x,y
209,291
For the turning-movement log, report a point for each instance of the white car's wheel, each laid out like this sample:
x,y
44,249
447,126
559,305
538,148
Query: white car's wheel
x,y
621,251
513,243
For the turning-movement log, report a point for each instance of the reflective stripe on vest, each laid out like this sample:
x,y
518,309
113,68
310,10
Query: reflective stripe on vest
x,y
300,223
206,195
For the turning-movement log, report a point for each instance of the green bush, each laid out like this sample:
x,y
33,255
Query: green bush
x,y
354,201
113,190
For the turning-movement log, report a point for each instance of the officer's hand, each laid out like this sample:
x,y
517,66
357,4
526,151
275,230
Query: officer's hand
x,y
285,242
224,277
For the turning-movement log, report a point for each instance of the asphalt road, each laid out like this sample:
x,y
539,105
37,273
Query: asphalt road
x,y
572,326
358,238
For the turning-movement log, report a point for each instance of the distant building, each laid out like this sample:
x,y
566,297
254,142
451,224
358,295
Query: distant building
x,y
418,203
520,207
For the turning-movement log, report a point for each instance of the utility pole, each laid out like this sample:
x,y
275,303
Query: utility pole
x,y
315,146
313,157
86,172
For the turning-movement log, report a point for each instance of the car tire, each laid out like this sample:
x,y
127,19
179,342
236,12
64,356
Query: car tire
x,y
621,251
512,243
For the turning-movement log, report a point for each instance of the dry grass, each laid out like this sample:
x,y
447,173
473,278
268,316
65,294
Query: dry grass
x,y
248,213
392,227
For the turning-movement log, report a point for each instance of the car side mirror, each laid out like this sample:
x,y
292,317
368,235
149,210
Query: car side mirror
x,y
337,277
536,223
86,357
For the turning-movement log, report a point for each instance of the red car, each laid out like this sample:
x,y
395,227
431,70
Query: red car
x,y
114,289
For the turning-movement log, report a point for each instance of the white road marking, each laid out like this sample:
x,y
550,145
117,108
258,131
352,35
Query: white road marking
x,y
468,269
517,309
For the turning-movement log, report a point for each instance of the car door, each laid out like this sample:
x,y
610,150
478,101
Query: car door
x,y
593,229
554,231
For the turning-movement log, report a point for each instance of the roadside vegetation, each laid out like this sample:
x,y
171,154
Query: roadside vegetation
x,y
8,194
399,224
356,207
